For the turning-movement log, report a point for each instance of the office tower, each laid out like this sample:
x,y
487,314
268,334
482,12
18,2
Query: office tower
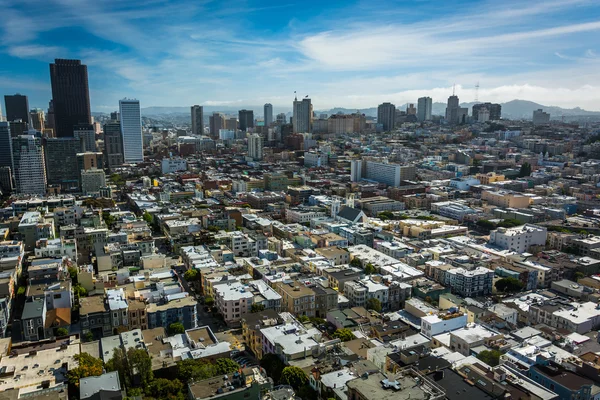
x,y
86,135
131,131
231,124
268,114
411,110
246,118
6,154
50,118
61,162
302,116
216,122
495,111
92,181
424,107
6,179
17,108
197,120
281,119
29,166
356,167
255,147
18,128
70,96
540,117
114,116
455,114
36,119
89,160
386,116
1,116
113,145
383,172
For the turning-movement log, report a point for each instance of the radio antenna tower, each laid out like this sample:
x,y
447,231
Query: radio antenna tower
x,y
477,93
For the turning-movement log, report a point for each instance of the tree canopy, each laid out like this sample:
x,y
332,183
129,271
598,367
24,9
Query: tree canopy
x,y
191,275
369,269
273,366
293,376
374,304
490,357
525,170
257,307
88,366
509,285
176,328
226,366
195,369
127,363
344,334
171,389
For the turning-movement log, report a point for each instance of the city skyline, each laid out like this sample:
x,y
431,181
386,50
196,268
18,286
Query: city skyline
x,y
339,54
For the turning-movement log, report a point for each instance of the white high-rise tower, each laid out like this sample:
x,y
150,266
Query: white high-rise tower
x,y
131,131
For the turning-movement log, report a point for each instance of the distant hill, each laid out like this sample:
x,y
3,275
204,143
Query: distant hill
x,y
514,109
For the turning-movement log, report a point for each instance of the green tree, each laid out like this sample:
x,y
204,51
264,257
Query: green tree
x,y
109,220
490,357
304,319
148,217
140,363
87,366
118,362
273,366
578,275
509,285
62,332
374,304
509,223
73,274
369,269
226,366
293,376
88,337
356,263
209,301
21,291
344,334
191,275
257,307
176,328
317,321
484,223
191,369
525,170
162,388
80,291
385,215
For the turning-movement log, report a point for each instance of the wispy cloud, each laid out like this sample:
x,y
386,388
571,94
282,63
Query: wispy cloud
x,y
356,53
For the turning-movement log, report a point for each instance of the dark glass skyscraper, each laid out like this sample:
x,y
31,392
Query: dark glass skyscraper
x,y
246,118
6,157
70,96
61,161
17,107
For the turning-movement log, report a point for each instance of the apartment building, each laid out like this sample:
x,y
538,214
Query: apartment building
x,y
519,239
505,199
297,299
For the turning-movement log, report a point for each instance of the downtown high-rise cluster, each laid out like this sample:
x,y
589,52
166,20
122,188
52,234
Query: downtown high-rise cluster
x,y
56,151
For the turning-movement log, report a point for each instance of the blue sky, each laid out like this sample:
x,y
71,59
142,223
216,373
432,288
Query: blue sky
x,y
342,53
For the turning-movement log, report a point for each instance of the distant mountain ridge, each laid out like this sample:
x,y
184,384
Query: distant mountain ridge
x,y
514,109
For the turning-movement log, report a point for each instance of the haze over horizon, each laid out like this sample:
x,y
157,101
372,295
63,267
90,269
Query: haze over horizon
x,y
342,54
